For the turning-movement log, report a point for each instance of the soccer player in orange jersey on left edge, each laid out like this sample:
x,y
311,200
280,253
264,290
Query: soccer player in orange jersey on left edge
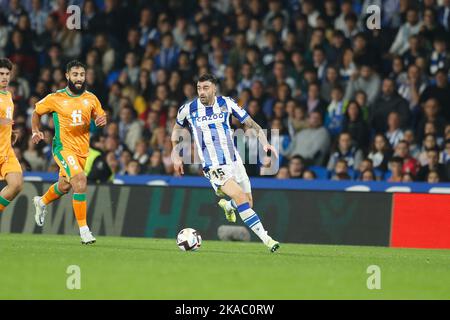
x,y
72,109
10,169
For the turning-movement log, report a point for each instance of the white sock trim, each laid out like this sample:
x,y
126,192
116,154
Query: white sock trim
x,y
84,229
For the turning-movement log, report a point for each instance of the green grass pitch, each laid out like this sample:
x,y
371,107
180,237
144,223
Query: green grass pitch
x,y
35,266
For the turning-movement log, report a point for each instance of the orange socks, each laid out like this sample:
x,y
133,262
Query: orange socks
x,y
78,202
3,203
80,208
52,194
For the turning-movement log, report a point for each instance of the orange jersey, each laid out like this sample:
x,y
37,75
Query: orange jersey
x,y
72,117
6,111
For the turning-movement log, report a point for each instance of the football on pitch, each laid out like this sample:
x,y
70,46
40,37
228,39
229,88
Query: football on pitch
x,y
189,239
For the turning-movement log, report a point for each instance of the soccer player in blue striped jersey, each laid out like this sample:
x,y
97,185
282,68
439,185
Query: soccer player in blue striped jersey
x,y
208,119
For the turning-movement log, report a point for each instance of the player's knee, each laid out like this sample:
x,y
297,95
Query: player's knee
x,y
64,188
79,183
240,198
16,185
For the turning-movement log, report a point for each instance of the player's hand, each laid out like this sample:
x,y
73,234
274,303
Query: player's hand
x,y
37,136
270,147
6,121
178,165
100,121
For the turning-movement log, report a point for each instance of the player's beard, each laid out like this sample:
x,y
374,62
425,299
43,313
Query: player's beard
x,y
206,100
74,89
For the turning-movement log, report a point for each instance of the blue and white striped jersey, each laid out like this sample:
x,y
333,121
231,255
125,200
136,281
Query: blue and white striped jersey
x,y
210,126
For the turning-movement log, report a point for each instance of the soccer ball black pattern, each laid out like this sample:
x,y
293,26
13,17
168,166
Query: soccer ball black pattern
x,y
189,239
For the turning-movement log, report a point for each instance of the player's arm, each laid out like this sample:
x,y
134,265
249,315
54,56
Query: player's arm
x,y
37,134
14,137
99,114
6,122
42,107
177,132
249,123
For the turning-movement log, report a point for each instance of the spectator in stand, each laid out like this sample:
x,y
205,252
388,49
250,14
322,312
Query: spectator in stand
x,y
320,62
298,121
368,175
414,149
345,150
398,73
355,125
283,173
133,168
431,113
346,8
334,116
432,165
331,81
33,155
389,101
380,152
394,134
141,153
155,165
439,91
313,101
396,169
445,154
411,27
361,98
365,165
312,143
367,80
440,58
410,164
412,87
340,171
429,143
130,129
309,175
433,177
408,177
296,167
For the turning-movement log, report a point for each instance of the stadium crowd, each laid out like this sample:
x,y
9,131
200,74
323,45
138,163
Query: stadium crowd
x,y
349,102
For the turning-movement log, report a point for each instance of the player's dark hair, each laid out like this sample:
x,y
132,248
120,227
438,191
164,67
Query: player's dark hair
x,y
6,63
208,77
75,64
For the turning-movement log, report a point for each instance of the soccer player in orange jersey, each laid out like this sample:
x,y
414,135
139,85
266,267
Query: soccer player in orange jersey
x,y
10,169
72,108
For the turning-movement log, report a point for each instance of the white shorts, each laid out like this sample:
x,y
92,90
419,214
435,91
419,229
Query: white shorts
x,y
217,176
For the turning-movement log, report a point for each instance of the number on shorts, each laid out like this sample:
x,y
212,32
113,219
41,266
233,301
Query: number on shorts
x,y
218,173
71,160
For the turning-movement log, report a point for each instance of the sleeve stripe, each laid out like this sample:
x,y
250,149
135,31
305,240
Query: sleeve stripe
x,y
244,117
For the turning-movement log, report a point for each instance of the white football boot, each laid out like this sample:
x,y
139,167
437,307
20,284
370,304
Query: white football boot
x,y
87,237
41,211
